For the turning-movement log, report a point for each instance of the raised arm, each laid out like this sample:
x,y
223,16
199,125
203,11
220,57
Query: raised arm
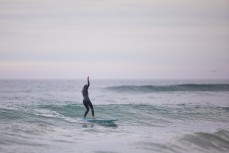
x,y
88,82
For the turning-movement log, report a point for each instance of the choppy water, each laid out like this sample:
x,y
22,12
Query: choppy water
x,y
154,116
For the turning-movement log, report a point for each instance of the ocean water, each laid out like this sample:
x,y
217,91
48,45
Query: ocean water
x,y
167,116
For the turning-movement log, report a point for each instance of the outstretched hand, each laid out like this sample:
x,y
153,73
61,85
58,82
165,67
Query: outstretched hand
x,y
88,78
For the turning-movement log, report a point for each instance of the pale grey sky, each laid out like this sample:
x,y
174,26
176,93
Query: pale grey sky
x,y
112,39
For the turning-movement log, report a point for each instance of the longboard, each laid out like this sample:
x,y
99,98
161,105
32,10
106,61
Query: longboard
x,y
98,119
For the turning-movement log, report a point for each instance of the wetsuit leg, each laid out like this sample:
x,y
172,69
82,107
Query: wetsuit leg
x,y
92,109
86,106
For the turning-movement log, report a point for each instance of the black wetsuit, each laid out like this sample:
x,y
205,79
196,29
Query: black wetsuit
x,y
86,101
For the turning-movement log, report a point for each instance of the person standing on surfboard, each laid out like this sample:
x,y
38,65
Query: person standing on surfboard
x,y
86,101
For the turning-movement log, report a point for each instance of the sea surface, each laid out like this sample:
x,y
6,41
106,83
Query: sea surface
x,y
154,116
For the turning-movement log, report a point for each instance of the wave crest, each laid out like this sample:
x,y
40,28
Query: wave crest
x,y
170,88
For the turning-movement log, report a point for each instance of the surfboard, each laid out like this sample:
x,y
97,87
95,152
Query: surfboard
x,y
99,119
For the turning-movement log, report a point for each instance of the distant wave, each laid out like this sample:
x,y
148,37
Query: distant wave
x,y
170,88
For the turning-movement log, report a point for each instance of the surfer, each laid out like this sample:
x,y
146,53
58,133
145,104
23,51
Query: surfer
x,y
86,101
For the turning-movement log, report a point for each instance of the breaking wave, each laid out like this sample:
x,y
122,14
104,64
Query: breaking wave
x,y
170,88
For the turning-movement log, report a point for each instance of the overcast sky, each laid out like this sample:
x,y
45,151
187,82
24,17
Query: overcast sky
x,y
112,39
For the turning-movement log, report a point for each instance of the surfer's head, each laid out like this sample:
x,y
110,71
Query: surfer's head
x,y
84,87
